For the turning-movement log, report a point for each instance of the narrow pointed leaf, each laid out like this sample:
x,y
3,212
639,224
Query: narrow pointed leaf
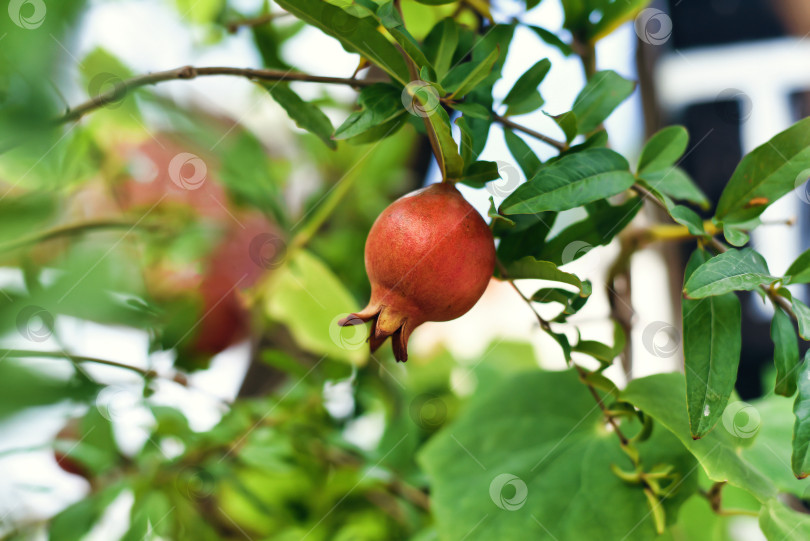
x,y
441,44
675,183
712,341
799,271
734,270
466,77
306,116
603,93
530,267
766,174
802,312
800,459
688,218
663,149
525,157
524,96
572,181
356,34
785,354
380,103
597,229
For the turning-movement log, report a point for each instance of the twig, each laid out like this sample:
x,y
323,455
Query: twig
x,y
186,73
559,145
26,353
65,230
582,373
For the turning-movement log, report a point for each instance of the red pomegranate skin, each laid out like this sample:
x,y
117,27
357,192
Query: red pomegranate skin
x,y
429,257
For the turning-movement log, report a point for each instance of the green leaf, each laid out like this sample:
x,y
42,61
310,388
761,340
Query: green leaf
x,y
23,387
780,523
603,93
572,301
524,97
663,149
451,164
712,341
525,157
379,104
466,151
309,299
598,229
75,522
799,271
800,459
570,182
689,218
663,397
465,77
735,237
389,17
473,110
529,267
356,34
567,123
802,312
306,116
675,183
150,517
440,46
786,352
538,475
552,39
526,237
479,173
734,270
498,219
766,174
95,447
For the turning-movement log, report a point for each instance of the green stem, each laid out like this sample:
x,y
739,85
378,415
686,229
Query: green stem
x,y
25,353
64,231
322,213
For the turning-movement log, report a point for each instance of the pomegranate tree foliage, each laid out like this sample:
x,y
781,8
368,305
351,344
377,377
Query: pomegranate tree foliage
x,y
521,453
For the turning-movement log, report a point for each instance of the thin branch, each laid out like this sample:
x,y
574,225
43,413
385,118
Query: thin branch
x,y
546,326
559,145
26,353
186,73
65,231
191,72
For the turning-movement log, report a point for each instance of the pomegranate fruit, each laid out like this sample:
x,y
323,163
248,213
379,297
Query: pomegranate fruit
x,y
429,257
